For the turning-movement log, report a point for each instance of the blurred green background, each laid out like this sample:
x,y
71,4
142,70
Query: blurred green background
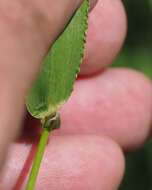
x,y
137,54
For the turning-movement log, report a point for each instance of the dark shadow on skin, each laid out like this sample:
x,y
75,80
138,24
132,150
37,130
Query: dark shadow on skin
x,y
81,77
31,130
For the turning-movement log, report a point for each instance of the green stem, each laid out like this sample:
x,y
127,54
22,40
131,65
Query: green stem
x,y
38,158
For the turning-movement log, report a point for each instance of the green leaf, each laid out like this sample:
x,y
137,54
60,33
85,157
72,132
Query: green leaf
x,y
58,73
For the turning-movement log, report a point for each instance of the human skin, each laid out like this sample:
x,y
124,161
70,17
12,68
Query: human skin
x,y
105,36
80,161
28,29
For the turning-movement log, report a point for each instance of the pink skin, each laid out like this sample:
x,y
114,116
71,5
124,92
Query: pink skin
x,y
112,103
105,35
70,162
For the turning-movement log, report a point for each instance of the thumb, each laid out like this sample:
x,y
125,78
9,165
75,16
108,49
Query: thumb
x,y
27,30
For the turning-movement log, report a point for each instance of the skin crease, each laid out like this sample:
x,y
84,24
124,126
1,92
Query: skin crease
x,y
104,37
73,161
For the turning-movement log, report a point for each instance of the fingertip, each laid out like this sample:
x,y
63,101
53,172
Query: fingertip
x,y
117,103
115,164
135,104
105,35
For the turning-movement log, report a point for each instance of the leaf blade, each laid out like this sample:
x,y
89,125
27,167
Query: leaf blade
x,y
55,81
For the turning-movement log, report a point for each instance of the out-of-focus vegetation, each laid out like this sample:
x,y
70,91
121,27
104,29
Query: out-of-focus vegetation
x,y
137,54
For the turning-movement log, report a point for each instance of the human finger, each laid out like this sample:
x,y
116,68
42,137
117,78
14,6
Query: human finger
x,y
116,103
105,35
27,30
70,162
